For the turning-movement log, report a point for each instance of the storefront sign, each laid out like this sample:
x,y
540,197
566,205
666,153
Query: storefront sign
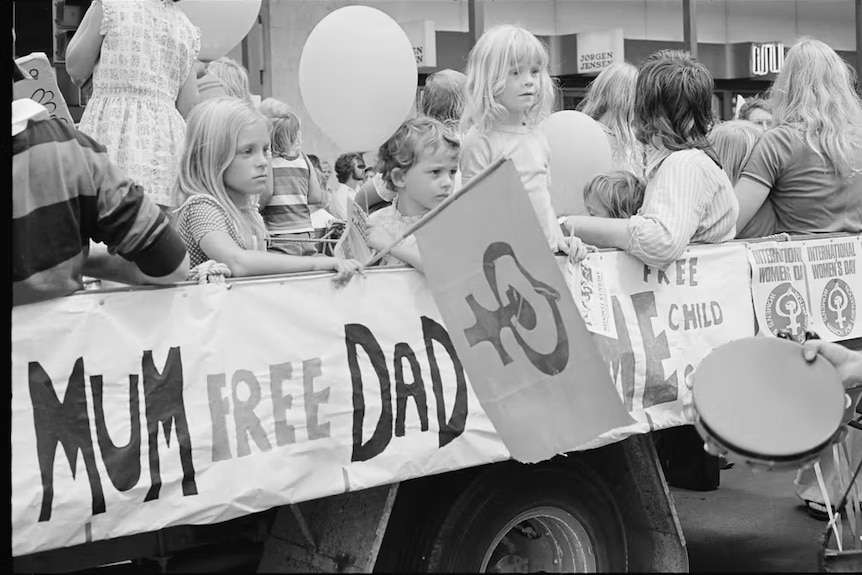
x,y
423,37
766,58
598,50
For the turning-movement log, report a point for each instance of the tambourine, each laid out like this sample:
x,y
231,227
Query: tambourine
x,y
758,399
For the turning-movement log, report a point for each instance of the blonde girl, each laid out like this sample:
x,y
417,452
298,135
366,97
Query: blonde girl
x,y
233,77
610,101
223,168
807,164
508,93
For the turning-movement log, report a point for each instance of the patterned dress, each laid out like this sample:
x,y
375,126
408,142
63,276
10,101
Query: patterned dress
x,y
198,216
149,48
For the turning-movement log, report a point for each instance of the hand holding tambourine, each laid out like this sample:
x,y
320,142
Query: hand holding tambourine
x,y
759,399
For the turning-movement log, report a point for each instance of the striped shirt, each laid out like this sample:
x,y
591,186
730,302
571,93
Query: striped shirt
x,y
287,211
688,199
65,192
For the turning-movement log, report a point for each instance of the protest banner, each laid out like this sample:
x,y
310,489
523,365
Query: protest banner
x,y
807,285
508,310
653,327
41,86
229,402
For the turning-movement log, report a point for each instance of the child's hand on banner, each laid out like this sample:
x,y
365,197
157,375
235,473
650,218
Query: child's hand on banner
x,y
574,248
344,270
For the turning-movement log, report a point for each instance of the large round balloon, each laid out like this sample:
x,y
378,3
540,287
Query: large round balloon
x,y
579,150
223,23
358,77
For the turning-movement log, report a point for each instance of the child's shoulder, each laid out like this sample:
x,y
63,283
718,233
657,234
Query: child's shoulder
x,y
382,216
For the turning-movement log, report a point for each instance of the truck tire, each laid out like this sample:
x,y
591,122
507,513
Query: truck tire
x,y
518,518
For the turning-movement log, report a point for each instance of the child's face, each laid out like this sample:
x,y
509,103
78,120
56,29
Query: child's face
x,y
428,182
595,207
246,173
522,87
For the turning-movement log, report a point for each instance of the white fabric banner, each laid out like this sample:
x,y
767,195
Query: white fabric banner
x,y
137,410
808,285
653,328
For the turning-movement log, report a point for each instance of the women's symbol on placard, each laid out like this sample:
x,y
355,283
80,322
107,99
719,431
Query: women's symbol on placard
x,y
786,310
838,307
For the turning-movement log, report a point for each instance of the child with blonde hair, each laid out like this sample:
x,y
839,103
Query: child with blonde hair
x,y
233,77
419,162
222,169
295,185
610,101
617,194
508,93
274,108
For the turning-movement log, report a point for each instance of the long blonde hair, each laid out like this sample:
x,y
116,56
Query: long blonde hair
x,y
212,131
499,49
814,93
733,142
613,93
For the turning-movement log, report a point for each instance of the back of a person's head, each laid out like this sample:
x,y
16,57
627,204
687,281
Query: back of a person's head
x,y
286,134
612,91
273,108
233,77
315,161
344,165
814,93
443,98
733,142
499,50
673,100
611,98
620,192
413,138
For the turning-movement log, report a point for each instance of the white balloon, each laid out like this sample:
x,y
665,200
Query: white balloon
x,y
579,150
223,23
358,77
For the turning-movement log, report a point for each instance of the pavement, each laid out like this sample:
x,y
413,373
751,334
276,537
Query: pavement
x,y
753,523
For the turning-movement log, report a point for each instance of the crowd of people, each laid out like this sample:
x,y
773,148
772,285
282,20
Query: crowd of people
x,y
173,167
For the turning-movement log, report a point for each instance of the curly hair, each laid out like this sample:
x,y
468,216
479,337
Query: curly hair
x,y
814,94
498,50
620,192
673,101
752,104
344,165
415,135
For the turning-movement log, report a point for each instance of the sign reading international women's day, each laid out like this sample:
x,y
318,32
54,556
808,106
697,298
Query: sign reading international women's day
x,y
808,285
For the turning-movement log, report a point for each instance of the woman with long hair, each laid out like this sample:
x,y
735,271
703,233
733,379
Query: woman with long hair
x,y
807,165
610,101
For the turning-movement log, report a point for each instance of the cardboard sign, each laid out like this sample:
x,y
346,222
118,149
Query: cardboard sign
x,y
42,86
353,244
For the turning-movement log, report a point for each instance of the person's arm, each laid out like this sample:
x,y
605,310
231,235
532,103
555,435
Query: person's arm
x,y
188,97
750,194
315,192
600,232
86,44
219,246
102,264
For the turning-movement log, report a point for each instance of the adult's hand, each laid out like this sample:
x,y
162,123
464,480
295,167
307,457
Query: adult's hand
x,y
847,362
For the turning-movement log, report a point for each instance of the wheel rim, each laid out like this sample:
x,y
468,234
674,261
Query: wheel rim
x,y
541,539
